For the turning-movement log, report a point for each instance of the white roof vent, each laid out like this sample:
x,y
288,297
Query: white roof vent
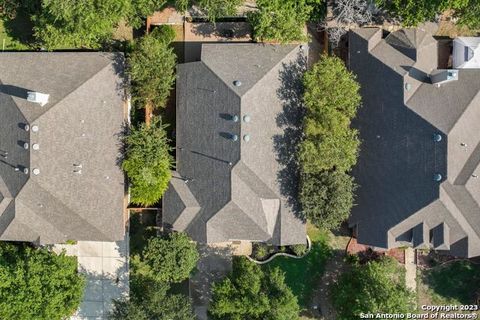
x,y
26,127
246,118
25,145
36,171
37,97
440,77
246,138
34,128
35,146
237,83
25,170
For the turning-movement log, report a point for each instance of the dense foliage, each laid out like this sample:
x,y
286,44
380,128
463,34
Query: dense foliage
x,y
327,197
147,162
77,23
330,145
280,20
168,259
152,69
250,293
141,9
331,98
378,286
37,284
413,12
155,302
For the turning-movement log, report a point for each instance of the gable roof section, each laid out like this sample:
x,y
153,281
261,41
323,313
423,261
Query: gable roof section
x,y
80,125
399,156
235,182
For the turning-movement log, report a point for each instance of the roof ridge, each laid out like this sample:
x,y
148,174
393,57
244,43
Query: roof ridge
x,y
268,72
71,92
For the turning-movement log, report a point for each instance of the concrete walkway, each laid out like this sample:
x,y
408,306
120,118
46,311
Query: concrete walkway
x,y
105,265
214,264
411,269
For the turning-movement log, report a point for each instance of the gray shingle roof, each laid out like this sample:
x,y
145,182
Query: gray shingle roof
x,y
237,187
81,124
398,200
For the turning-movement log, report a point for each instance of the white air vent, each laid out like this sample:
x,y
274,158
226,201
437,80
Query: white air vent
x,y
37,97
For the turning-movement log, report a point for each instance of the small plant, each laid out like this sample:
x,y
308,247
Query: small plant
x,y
299,249
71,242
261,251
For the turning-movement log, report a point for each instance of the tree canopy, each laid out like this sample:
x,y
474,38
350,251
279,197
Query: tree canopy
x,y
330,146
413,12
327,197
37,284
77,23
280,20
147,162
250,293
168,259
151,67
155,302
378,286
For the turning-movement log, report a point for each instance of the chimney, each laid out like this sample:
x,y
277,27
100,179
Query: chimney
x,y
37,97
439,77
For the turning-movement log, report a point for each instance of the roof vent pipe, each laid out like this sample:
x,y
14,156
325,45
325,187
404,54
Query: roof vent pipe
x,y
237,83
235,118
25,145
233,137
34,128
246,118
25,170
437,137
437,177
26,127
37,97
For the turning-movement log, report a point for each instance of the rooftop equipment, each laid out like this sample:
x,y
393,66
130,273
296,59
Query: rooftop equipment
x,y
37,97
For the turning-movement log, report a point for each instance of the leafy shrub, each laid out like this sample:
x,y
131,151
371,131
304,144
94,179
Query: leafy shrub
x,y
148,162
378,286
168,259
250,293
299,249
152,69
280,20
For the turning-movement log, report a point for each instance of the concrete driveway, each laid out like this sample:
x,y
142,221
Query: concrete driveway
x,y
105,265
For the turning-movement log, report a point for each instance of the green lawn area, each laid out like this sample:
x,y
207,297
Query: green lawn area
x,y
453,283
302,275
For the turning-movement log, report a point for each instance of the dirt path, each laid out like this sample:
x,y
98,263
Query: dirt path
x,y
411,269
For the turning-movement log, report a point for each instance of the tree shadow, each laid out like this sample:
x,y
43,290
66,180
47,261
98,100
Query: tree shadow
x,y
225,30
290,120
20,28
14,91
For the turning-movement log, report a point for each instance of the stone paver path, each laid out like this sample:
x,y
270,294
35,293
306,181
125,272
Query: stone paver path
x,y
411,269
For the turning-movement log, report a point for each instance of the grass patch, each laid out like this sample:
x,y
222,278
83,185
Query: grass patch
x,y
302,275
453,283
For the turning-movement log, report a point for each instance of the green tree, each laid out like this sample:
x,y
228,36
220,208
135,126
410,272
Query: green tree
x,y
331,99
147,162
77,23
280,20
413,12
152,70
215,9
327,197
168,259
37,284
141,9
249,293
378,286
154,302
